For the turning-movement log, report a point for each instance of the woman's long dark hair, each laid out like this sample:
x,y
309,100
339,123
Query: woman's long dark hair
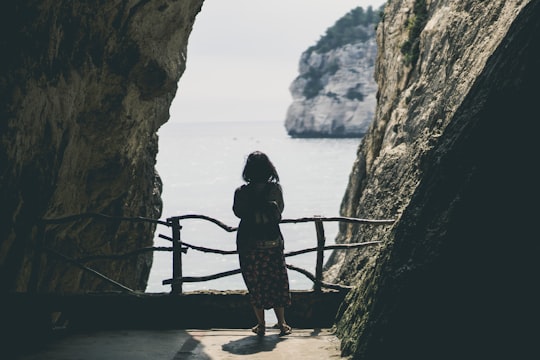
x,y
259,168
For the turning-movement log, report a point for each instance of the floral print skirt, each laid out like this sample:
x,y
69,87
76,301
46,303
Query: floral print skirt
x,y
265,275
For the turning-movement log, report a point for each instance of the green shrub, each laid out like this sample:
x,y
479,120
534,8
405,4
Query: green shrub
x,y
347,30
415,24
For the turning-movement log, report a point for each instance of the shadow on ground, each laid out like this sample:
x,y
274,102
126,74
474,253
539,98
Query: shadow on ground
x,y
252,344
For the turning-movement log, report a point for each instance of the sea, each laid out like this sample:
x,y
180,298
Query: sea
x,y
201,164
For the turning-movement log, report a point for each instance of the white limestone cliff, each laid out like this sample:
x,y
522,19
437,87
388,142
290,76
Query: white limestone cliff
x,y
345,102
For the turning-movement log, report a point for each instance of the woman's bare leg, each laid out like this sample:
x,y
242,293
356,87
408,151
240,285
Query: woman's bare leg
x,y
284,329
280,315
259,313
260,328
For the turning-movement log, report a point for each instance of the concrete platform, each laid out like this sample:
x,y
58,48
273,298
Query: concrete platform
x,y
190,345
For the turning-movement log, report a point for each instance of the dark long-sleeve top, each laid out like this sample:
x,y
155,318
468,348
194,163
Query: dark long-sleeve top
x,y
259,207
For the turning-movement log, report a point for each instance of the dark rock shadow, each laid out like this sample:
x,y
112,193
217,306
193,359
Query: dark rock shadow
x,y
191,348
252,344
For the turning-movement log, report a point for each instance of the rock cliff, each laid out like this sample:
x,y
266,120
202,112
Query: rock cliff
x,y
334,95
449,156
84,88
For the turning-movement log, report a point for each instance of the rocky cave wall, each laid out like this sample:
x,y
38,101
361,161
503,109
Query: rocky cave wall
x,y
84,88
450,156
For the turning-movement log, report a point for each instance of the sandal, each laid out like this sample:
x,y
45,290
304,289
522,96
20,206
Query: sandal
x,y
284,329
259,329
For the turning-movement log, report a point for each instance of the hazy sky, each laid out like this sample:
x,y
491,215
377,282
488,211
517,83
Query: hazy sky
x,y
243,55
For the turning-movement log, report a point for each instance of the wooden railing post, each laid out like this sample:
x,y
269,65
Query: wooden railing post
x,y
176,285
319,227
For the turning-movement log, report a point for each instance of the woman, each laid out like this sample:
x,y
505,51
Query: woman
x,y
259,204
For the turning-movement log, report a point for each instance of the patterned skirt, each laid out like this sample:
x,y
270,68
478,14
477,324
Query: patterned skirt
x,y
265,275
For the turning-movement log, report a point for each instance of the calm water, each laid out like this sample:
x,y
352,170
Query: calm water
x,y
201,165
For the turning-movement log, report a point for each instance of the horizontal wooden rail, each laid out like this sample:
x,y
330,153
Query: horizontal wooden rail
x,y
292,253
238,271
208,250
201,248
312,277
333,247
208,218
288,221
205,277
339,219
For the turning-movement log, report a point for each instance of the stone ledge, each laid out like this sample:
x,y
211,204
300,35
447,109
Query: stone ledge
x,y
35,316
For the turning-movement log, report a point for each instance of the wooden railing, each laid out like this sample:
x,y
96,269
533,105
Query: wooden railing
x,y
178,247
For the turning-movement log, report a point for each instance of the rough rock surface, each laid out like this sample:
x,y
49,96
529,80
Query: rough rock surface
x,y
449,156
84,88
344,105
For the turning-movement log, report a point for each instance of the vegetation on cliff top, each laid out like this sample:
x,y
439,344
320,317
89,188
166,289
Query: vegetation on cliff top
x,y
347,30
